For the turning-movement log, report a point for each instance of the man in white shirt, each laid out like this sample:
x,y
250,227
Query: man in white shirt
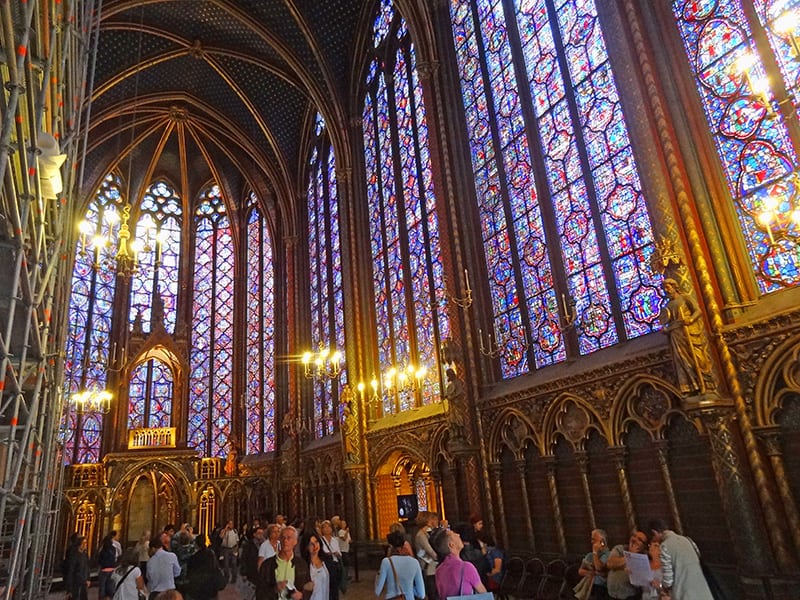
x,y
162,568
230,545
115,542
271,544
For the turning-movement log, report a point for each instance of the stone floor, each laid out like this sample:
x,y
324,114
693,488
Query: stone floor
x,y
363,589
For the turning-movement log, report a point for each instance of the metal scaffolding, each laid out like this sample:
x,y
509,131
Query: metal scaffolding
x,y
45,54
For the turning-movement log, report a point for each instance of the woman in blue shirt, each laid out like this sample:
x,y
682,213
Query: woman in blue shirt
x,y
400,574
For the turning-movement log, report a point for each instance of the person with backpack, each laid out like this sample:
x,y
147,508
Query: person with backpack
x,y
127,581
205,579
106,561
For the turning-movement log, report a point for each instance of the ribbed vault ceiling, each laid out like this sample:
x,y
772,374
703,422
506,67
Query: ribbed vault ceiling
x,y
195,90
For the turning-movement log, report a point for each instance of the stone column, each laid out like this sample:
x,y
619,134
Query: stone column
x,y
662,453
526,506
583,465
741,510
363,520
496,470
618,454
474,491
453,515
770,436
551,463
373,486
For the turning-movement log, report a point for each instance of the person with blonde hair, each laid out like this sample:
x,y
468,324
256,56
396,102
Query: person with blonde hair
x,y
427,522
142,548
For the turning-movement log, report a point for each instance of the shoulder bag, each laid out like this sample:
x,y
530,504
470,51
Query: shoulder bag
x,y
119,583
401,595
583,589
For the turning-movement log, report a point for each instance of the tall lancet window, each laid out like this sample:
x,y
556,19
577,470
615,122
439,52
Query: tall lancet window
x,y
744,58
211,355
569,247
150,395
325,265
90,315
260,395
159,228
407,267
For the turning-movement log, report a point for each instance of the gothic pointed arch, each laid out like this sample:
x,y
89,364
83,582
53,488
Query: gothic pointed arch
x,y
645,400
511,429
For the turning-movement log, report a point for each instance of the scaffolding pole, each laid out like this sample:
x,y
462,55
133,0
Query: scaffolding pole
x,y
44,63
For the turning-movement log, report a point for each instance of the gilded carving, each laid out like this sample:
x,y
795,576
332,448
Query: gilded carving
x,y
651,405
351,436
573,422
682,322
514,433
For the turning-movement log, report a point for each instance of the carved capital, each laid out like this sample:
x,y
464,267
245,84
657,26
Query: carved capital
x,y
662,451
582,458
770,437
343,174
427,69
618,455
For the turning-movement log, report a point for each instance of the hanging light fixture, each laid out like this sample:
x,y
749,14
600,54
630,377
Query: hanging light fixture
x,y
324,364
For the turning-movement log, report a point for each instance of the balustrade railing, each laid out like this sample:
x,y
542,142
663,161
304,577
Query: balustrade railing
x,y
155,437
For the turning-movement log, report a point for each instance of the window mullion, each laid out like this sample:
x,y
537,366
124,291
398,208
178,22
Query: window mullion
x,y
502,177
400,203
591,191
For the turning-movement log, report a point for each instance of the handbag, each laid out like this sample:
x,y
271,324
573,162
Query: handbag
x,y
480,596
583,589
401,595
220,581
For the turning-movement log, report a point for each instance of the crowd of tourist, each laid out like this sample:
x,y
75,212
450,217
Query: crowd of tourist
x,y
311,561
675,570
278,561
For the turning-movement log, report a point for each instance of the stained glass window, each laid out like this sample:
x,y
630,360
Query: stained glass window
x,y
159,229
325,262
90,316
150,395
563,218
736,78
260,395
407,267
211,355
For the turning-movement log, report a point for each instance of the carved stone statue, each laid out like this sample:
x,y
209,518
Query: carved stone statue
x,y
137,328
457,410
682,323
232,462
350,436
157,310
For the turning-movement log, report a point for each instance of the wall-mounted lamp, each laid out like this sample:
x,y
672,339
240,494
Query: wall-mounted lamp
x,y
466,300
756,83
